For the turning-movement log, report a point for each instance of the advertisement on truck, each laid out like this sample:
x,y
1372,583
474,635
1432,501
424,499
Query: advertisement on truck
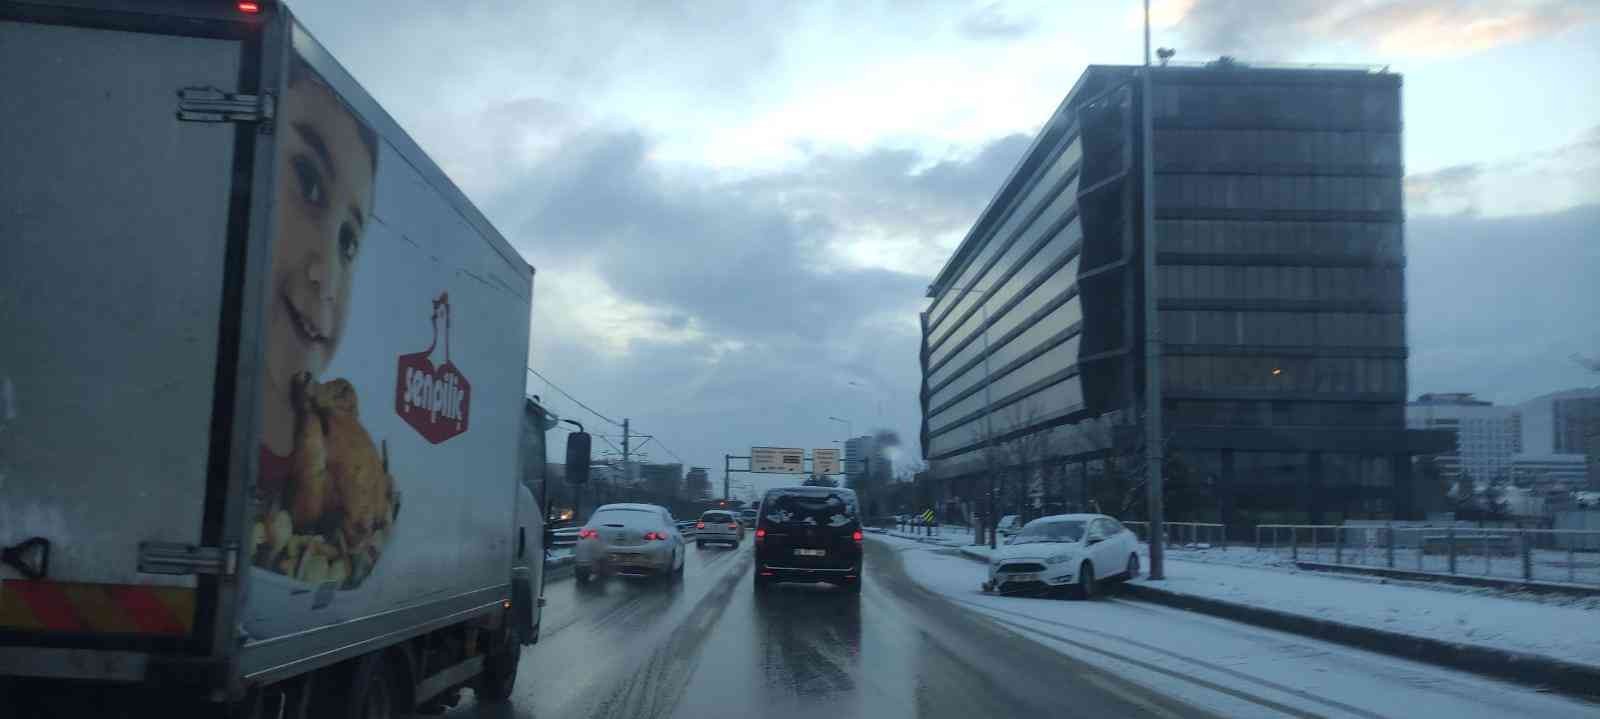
x,y
386,394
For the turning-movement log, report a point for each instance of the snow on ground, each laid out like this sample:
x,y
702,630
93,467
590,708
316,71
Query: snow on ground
x,y
1490,618
1226,667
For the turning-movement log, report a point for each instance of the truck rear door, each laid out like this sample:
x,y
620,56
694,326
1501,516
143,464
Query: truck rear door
x,y
121,233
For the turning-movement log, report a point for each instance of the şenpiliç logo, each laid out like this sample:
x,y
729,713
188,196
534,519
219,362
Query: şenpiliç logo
x,y
433,399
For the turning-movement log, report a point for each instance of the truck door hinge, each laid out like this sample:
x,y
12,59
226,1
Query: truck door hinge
x,y
208,104
180,558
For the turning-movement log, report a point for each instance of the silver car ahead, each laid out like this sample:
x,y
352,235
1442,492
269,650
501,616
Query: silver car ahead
x,y
639,540
718,526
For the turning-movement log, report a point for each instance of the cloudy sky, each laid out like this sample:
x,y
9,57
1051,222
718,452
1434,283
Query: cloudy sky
x,y
735,207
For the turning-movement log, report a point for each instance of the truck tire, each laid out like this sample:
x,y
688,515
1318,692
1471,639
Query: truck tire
x,y
494,685
372,690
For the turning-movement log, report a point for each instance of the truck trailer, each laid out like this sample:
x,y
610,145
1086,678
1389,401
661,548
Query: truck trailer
x,y
262,403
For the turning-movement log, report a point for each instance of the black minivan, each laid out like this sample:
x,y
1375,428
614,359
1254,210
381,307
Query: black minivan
x,y
808,534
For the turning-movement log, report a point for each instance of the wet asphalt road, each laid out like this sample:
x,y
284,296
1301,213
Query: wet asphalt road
x,y
712,647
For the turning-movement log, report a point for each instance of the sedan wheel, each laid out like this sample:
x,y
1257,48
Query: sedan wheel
x,y
1085,589
1133,566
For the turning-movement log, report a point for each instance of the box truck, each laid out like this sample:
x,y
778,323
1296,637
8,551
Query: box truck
x,y
262,402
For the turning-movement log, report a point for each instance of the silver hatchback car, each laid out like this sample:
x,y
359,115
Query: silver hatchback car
x,y
718,527
629,539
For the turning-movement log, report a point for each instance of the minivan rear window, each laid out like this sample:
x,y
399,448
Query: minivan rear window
x,y
802,510
716,517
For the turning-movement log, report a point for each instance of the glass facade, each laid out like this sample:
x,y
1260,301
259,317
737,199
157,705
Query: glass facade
x,y
1279,285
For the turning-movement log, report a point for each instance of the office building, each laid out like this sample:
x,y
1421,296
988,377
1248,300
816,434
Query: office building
x,y
1279,283
1484,436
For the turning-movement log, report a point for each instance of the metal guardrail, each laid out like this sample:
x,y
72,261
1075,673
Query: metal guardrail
x,y
564,537
1570,556
1181,535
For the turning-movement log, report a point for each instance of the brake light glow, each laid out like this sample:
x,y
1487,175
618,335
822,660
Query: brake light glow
x,y
733,525
761,534
587,533
699,525
249,7
857,536
654,536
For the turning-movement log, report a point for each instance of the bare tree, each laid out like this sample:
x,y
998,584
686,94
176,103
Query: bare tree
x,y
1024,452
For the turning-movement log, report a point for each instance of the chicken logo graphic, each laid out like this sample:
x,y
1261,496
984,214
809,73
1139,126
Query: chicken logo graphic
x,y
434,400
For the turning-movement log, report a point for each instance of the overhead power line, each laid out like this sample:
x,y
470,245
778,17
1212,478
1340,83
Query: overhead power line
x,y
568,395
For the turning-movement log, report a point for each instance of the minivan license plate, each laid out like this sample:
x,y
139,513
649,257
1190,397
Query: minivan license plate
x,y
811,552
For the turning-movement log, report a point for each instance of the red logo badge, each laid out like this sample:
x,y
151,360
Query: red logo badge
x,y
434,400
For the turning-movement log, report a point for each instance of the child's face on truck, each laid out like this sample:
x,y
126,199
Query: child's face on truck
x,y
325,178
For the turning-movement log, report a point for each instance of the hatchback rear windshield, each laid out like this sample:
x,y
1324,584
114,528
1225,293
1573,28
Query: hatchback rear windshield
x,y
623,516
801,510
716,517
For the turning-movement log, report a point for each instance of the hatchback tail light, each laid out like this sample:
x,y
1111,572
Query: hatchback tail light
x,y
654,536
857,536
587,533
699,525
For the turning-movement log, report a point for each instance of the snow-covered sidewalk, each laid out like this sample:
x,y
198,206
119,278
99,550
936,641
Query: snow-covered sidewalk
x,y
1235,669
1487,619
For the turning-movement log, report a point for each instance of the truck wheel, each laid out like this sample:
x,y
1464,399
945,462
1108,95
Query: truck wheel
x,y
499,675
372,694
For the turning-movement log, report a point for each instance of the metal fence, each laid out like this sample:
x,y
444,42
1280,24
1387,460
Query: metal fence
x,y
1185,535
564,537
1542,555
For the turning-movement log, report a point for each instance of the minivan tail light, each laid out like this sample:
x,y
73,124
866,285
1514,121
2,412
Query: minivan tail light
x,y
761,534
857,536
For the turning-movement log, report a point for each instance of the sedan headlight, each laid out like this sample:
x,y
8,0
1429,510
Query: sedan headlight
x,y
1059,558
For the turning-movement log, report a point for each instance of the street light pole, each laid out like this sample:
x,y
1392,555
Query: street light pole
x,y
1153,451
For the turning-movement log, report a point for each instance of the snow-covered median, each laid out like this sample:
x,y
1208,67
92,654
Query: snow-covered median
x,y
1239,670
1481,617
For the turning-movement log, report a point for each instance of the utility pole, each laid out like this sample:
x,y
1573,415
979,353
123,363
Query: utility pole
x,y
1153,451
626,475
725,459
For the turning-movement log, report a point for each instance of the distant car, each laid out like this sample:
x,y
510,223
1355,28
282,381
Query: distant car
x,y
686,528
747,517
1009,525
1065,551
808,534
631,540
718,526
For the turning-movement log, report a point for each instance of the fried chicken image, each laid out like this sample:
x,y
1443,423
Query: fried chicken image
x,y
338,473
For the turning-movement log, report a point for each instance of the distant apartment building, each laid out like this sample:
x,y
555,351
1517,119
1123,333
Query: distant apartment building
x,y
1279,285
862,454
1561,436
1484,436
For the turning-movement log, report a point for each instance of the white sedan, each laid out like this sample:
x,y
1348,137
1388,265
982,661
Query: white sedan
x,y
629,539
1064,551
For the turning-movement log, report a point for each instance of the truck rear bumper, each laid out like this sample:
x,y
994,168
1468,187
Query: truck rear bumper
x,y
57,663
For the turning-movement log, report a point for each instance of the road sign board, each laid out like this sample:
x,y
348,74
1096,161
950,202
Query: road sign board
x,y
825,461
778,460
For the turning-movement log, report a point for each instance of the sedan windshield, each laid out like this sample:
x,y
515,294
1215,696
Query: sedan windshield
x,y
1070,531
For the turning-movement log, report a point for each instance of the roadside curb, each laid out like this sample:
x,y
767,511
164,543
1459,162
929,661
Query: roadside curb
x,y
1534,670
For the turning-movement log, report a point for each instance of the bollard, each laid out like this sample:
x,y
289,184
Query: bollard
x,y
1338,545
1527,555
1390,548
1450,539
1294,544
1572,561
